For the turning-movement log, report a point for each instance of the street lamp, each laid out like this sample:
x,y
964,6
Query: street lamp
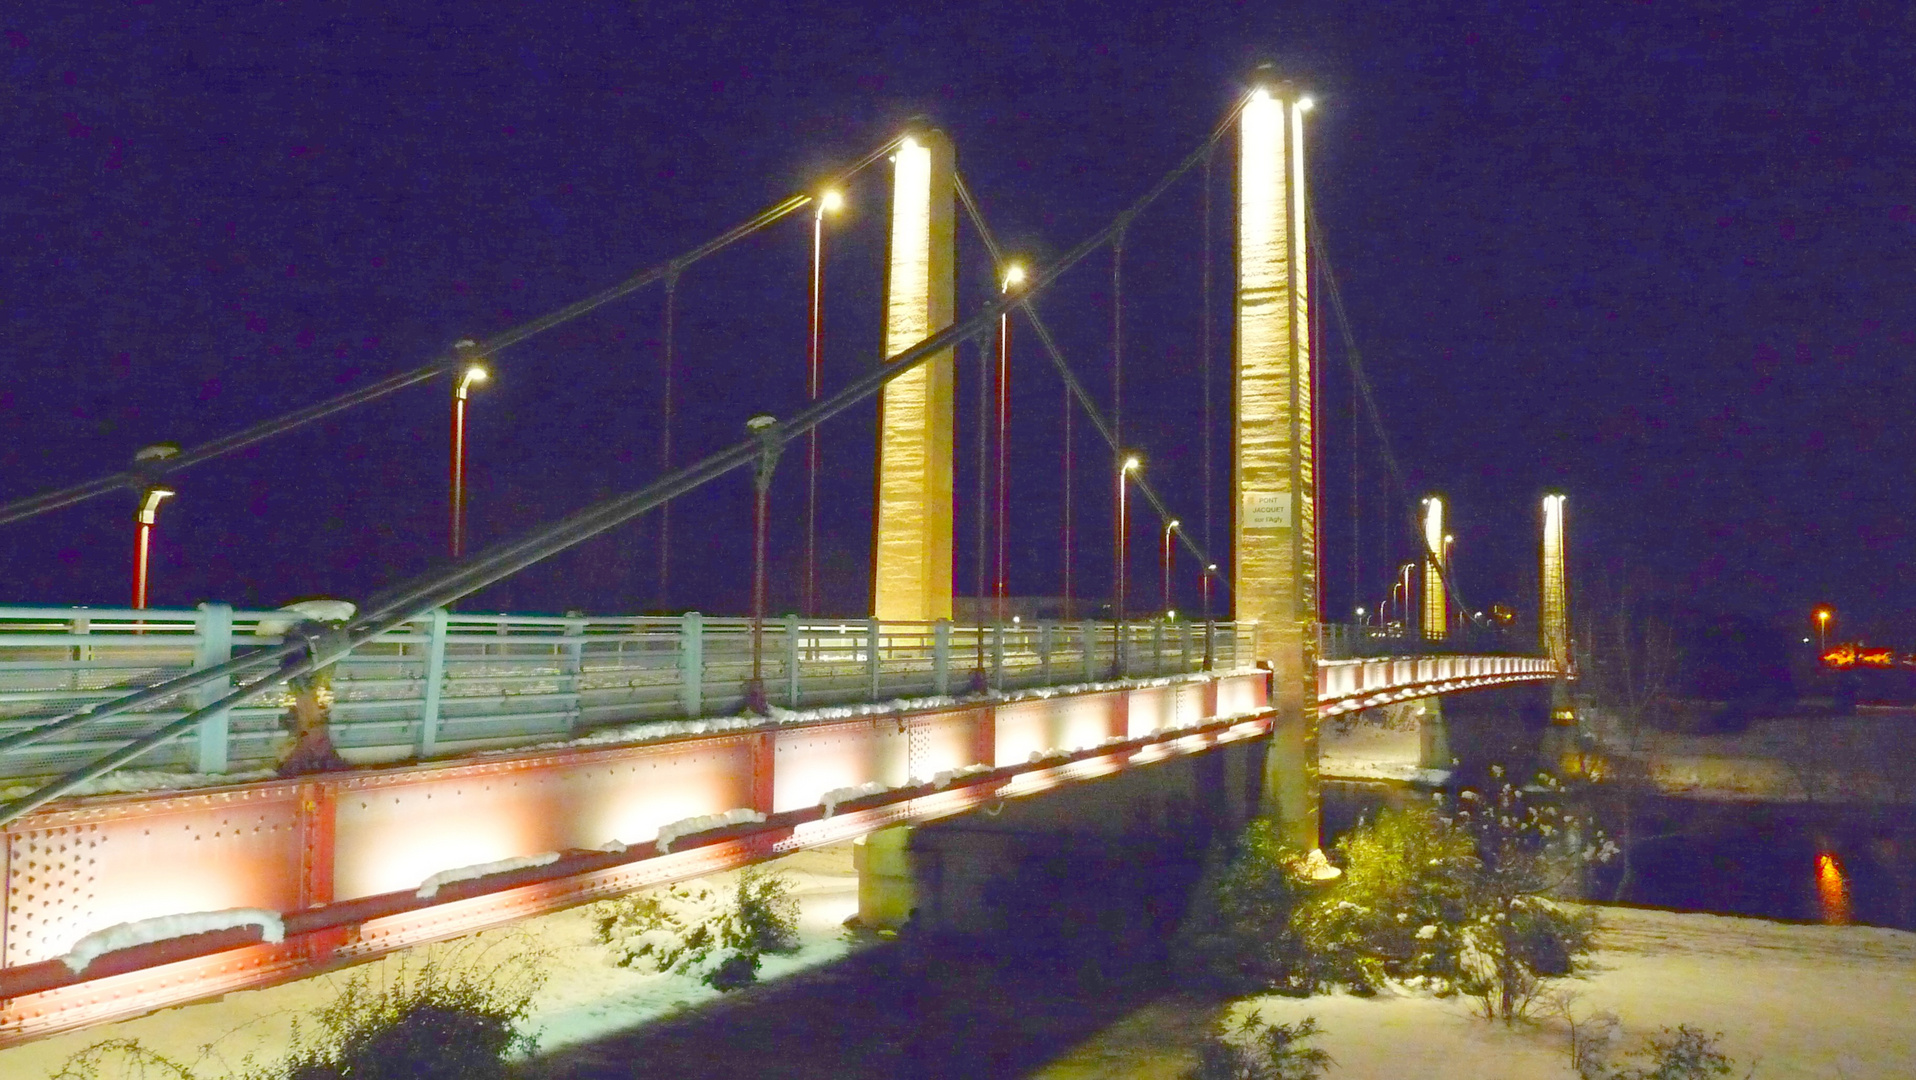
x,y
474,374
1448,578
1131,465
1822,630
1014,277
829,201
1210,571
147,517
1169,528
765,428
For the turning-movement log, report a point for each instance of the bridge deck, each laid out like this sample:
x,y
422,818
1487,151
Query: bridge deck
x,y
339,863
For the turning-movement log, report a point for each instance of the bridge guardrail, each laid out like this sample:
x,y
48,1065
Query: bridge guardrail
x,y
452,682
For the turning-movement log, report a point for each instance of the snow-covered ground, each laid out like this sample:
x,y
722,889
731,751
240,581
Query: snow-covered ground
x,y
1809,1002
585,995
1376,744
1868,756
1822,1002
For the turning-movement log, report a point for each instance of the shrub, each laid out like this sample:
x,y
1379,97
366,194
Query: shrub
x,y
766,915
680,927
1462,901
454,1017
1515,938
122,1059
1239,937
1679,1053
735,972
1394,912
670,929
1256,1049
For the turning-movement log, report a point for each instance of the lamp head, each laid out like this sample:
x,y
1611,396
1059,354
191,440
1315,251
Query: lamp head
x,y
831,201
1014,277
1132,464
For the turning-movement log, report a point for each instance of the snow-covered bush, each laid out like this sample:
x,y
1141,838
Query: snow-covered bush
x,y
454,1016
766,919
1515,937
669,929
1679,1053
1463,901
1394,912
1239,936
1256,1049
680,927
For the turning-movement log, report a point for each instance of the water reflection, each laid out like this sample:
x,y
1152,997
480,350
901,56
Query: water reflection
x,y
1832,888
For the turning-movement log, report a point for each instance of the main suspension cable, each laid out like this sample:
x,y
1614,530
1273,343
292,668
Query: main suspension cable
x,y
21,509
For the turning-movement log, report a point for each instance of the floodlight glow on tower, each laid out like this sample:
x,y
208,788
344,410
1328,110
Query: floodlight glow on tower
x,y
1436,598
1554,618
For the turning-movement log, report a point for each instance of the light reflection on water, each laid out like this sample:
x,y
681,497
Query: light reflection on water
x,y
1832,888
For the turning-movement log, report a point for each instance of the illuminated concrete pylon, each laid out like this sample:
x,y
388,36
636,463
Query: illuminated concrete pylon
x,y
1274,473
1553,610
1436,564
911,571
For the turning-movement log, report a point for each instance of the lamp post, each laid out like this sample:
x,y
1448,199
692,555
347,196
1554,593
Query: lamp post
x,y
1447,579
148,467
1131,465
1822,631
1014,276
766,429
1210,571
147,517
828,202
475,373
1169,528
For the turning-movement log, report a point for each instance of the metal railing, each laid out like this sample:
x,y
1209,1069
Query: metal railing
x,y
452,682
1350,641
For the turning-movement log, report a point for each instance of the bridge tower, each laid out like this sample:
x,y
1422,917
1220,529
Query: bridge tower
x,y
1553,611
911,572
1274,472
1436,564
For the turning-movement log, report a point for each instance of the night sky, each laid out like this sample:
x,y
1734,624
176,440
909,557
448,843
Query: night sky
x,y
1655,256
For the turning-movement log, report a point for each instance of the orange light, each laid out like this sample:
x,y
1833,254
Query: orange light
x,y
1832,888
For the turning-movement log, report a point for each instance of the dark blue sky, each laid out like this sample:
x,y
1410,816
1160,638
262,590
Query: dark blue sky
x,y
1656,255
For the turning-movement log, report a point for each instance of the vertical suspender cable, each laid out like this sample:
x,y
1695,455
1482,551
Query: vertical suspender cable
x,y
665,443
982,422
1067,501
1117,406
1204,338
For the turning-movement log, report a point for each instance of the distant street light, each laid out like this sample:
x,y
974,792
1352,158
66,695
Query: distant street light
x,y
148,516
474,374
1014,277
1169,528
1210,571
1131,465
147,465
1822,630
828,202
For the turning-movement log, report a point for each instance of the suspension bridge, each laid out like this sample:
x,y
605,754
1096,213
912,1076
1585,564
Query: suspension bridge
x,y
161,846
